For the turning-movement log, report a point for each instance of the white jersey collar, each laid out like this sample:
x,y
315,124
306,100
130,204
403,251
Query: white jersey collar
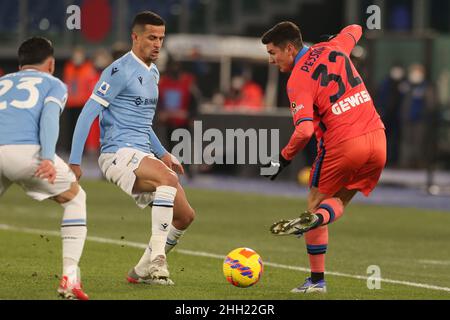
x,y
140,61
31,69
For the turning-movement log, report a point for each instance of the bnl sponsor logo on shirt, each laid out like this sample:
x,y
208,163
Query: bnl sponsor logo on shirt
x,y
104,87
145,101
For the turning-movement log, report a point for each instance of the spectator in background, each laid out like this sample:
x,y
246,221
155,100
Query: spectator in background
x,y
400,17
245,95
1,72
102,59
79,75
438,139
417,106
178,101
119,49
443,89
204,74
390,98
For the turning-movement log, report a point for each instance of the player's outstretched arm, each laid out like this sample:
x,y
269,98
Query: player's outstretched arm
x,y
48,135
348,38
90,111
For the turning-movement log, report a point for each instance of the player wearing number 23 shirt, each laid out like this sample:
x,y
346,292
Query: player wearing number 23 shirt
x,y
31,101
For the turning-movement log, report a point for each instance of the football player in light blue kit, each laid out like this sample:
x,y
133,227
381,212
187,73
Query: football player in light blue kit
x,y
31,101
132,157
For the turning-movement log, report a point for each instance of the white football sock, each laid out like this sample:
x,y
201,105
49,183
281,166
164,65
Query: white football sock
x,y
162,215
73,231
141,267
173,237
172,240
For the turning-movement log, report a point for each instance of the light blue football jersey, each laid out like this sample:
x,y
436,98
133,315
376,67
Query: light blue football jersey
x,y
128,91
23,96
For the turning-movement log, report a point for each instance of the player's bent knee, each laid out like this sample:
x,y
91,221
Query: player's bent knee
x,y
313,204
315,198
79,200
169,178
68,195
345,196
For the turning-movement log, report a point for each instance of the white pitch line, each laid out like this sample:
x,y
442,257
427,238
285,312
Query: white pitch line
x,y
218,256
436,262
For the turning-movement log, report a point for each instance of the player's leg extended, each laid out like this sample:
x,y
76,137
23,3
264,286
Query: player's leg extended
x,y
322,210
316,241
23,160
316,245
359,170
73,233
183,215
327,209
152,175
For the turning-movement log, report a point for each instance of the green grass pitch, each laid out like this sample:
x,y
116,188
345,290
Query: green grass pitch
x,y
409,245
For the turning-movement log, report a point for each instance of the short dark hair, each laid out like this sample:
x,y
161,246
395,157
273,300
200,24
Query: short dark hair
x,y
147,17
282,33
34,51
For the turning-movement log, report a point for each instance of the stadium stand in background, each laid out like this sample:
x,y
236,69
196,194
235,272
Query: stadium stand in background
x,y
216,41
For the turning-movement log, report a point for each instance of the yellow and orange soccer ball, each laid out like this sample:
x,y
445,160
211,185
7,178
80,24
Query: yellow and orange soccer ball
x,y
243,267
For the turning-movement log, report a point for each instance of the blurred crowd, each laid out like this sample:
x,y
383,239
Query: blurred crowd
x,y
406,100
245,95
410,106
80,74
178,101
181,92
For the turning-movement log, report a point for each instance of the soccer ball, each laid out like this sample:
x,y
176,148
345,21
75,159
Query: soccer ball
x,y
243,267
303,176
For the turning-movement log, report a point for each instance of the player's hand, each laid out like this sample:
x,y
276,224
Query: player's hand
x,y
76,170
274,167
46,170
172,162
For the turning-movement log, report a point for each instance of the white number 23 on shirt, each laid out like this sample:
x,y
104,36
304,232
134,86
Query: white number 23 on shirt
x,y
25,83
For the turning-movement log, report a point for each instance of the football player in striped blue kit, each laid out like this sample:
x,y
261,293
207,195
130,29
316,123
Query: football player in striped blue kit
x,y
132,156
31,101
